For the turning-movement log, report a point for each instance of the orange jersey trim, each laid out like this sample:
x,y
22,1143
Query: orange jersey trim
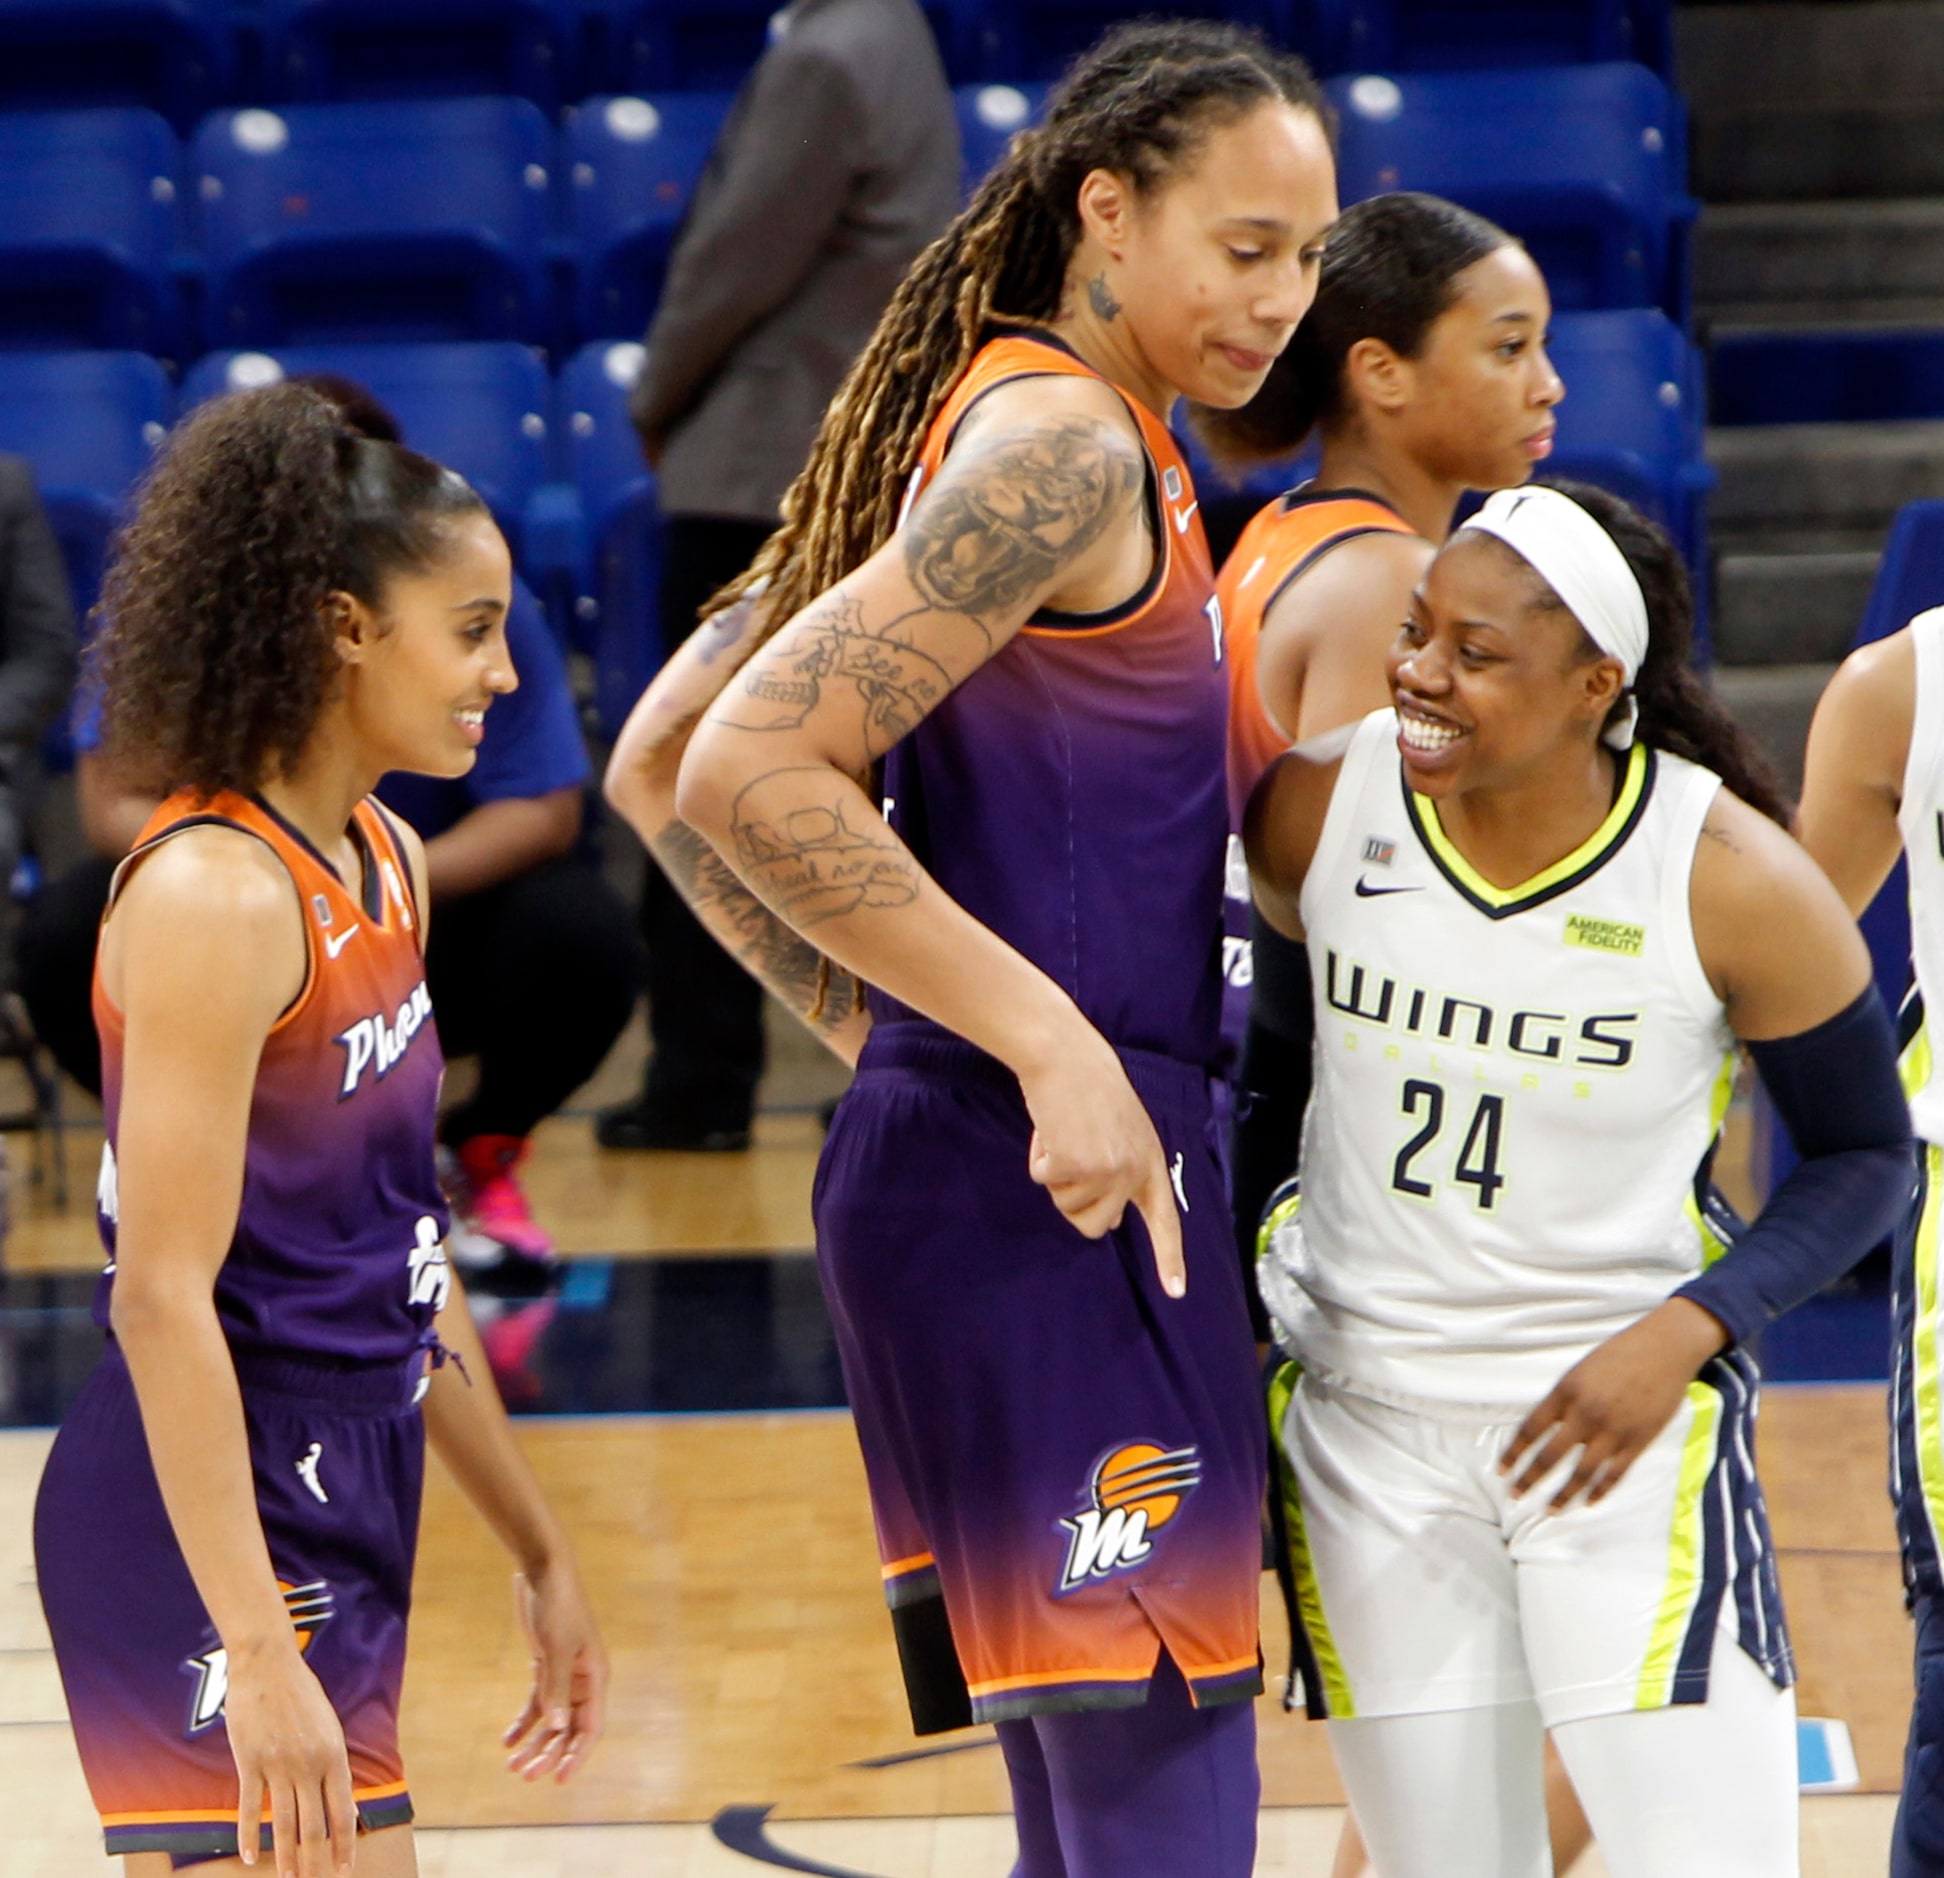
x,y
206,1818
1019,355
310,875
1277,546
1050,1679
898,1567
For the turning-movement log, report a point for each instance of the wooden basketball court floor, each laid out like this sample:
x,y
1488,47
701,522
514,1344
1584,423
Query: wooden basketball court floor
x,y
757,1721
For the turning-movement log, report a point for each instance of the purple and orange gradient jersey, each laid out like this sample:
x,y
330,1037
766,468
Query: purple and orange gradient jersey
x,y
1071,794
339,1240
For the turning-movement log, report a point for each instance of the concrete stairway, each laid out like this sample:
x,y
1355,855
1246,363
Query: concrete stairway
x,y
1818,151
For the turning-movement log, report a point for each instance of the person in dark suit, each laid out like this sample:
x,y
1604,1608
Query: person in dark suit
x,y
839,162
37,648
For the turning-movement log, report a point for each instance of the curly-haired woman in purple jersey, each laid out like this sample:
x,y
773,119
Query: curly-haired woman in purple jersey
x,y
226,1526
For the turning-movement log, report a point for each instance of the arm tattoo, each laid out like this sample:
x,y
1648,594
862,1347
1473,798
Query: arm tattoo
x,y
795,971
895,684
806,859
1001,527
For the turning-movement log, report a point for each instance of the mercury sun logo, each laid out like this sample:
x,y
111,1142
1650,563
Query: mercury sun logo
x,y
311,1607
1135,1490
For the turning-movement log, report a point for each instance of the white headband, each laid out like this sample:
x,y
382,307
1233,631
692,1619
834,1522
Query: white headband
x,y
1580,562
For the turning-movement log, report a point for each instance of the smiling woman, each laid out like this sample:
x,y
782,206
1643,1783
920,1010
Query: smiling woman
x,y
1422,367
1520,1445
294,611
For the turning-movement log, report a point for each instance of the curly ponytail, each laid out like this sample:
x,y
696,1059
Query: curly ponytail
x,y
213,653
1678,712
1390,271
1139,104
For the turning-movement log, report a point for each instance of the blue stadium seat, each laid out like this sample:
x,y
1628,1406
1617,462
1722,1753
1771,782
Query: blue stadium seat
x,y
88,422
172,56
633,164
1038,39
483,410
1633,420
988,115
339,222
1585,164
89,231
361,49
1450,35
689,45
622,578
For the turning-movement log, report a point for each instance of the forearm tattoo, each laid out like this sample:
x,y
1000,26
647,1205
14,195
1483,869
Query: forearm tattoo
x,y
822,994
813,850
996,531
892,684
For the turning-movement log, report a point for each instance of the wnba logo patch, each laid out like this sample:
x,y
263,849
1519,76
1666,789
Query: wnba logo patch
x,y
1135,1490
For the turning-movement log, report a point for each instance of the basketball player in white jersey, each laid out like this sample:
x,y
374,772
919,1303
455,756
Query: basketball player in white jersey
x,y
1874,784
1520,1418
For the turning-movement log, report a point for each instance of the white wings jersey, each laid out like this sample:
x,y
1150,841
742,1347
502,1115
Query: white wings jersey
x,y
1921,818
1516,1092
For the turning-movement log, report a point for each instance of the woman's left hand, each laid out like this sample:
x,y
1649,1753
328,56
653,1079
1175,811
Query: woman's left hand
x,y
567,1707
1613,1402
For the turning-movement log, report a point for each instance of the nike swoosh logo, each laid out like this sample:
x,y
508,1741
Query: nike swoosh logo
x,y
1365,891
337,945
1182,517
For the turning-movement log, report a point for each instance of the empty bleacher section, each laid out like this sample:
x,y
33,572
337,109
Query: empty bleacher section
x,y
470,204
87,421
1585,163
632,164
1819,280
419,220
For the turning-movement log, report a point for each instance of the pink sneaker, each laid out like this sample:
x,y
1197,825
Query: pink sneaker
x,y
490,1215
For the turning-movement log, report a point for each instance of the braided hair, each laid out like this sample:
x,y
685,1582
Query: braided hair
x,y
1140,104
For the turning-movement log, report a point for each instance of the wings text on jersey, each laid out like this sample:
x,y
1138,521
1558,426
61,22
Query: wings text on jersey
x,y
1600,1040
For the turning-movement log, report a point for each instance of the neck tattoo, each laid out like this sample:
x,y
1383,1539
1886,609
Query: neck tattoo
x,y
1100,297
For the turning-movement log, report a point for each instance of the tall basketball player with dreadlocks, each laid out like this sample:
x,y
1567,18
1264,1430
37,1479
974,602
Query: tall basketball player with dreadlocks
x,y
993,582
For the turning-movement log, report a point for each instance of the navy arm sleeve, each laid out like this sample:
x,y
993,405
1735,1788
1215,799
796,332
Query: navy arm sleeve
x,y
1836,1089
1275,1076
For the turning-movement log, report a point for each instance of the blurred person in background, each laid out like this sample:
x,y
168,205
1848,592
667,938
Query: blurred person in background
x,y
36,643
838,163
520,905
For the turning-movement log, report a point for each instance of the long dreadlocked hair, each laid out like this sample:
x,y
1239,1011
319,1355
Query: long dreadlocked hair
x,y
1139,104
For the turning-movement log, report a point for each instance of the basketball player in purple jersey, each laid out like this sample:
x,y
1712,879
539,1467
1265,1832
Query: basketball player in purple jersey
x,y
226,1526
993,581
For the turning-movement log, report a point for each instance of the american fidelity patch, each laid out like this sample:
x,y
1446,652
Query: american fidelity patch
x,y
1605,935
